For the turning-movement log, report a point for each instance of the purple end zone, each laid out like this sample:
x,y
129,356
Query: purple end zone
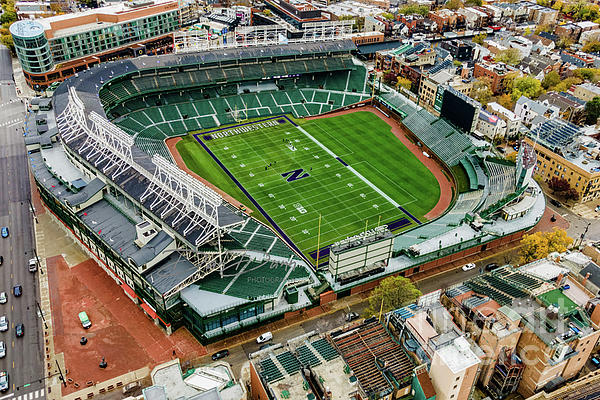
x,y
323,252
342,161
281,120
410,215
399,223
207,137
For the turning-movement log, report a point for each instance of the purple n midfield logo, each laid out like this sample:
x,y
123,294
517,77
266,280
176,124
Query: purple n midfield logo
x,y
295,175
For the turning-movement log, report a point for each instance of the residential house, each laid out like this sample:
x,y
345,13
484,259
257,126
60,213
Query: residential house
x,y
527,109
586,91
459,50
490,126
495,72
571,108
512,121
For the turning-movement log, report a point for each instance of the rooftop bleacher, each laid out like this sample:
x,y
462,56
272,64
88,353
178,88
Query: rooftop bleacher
x,y
501,182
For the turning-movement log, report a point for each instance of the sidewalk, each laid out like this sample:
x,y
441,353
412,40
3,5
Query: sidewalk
x,y
23,91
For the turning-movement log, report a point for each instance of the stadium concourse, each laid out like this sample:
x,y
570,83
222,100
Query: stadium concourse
x,y
189,257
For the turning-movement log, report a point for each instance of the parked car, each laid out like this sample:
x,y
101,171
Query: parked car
x,y
1,260
555,203
3,323
595,361
265,337
32,265
3,298
18,290
19,330
491,267
266,346
220,354
3,381
4,231
351,316
468,267
2,349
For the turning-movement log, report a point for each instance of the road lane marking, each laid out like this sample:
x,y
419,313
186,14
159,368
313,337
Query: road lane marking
x,y
8,395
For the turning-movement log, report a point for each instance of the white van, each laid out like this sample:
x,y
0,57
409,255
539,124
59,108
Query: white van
x,y
32,265
265,337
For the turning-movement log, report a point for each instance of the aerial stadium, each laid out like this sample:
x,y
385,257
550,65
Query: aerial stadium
x,y
229,187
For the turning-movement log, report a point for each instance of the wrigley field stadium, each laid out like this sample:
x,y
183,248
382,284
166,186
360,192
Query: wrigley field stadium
x,y
225,188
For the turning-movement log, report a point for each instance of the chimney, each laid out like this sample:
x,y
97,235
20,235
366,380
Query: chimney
x,y
585,279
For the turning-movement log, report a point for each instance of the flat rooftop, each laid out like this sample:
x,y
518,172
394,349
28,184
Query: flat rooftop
x,y
458,356
112,9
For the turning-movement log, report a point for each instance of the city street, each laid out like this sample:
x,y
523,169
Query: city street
x,y
24,360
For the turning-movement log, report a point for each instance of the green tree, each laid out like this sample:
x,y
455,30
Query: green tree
x,y
7,40
509,56
591,46
388,16
565,84
564,42
588,74
526,86
538,245
454,4
481,91
550,80
479,38
404,82
414,9
506,101
592,110
473,3
393,292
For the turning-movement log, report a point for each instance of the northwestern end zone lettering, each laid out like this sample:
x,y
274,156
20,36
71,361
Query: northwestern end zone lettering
x,y
242,129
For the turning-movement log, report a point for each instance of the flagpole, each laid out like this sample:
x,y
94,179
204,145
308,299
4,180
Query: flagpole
x,y
318,240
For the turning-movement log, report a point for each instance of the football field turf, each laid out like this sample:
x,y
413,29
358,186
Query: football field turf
x,y
350,169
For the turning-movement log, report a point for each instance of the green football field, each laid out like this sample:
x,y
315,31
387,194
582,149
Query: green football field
x,y
349,169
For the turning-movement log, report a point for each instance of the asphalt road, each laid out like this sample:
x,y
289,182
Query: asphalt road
x,y
24,358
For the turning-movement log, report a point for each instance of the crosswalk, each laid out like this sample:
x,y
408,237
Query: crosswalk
x,y
12,122
38,394
10,102
585,211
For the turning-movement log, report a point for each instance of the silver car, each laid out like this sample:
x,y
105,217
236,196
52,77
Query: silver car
x,y
3,298
3,323
2,350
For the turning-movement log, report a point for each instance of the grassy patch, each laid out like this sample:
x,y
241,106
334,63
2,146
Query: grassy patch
x,y
462,179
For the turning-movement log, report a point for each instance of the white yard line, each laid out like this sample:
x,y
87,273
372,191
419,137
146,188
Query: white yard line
x,y
355,172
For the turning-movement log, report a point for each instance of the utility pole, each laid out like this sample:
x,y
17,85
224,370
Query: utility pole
x,y
32,210
41,314
584,233
62,377
37,261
